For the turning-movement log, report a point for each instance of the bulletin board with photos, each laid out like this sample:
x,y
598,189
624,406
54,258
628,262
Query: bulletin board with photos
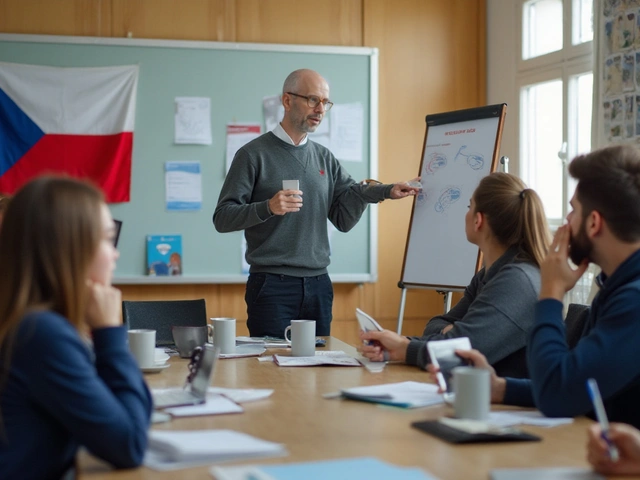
x,y
617,67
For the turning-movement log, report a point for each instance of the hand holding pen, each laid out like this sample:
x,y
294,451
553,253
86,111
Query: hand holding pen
x,y
627,440
601,415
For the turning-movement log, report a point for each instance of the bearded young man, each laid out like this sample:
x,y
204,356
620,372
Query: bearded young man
x,y
603,228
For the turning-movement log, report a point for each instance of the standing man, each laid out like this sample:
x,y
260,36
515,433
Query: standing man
x,y
288,243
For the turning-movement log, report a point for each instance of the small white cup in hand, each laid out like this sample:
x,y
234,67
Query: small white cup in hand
x,y
303,338
142,344
291,185
472,387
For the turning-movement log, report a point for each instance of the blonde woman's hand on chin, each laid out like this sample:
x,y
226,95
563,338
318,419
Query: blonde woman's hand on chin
x,y
104,305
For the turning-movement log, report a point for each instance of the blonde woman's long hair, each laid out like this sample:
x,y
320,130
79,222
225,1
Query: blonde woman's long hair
x,y
515,215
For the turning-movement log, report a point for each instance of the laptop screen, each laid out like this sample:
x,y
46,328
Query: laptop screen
x,y
202,377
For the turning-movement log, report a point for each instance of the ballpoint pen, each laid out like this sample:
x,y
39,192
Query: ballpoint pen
x,y
601,415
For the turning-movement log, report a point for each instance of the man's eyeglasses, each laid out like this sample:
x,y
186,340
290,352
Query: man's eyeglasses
x,y
314,101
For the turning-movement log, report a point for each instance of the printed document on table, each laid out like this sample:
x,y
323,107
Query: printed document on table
x,y
335,358
508,418
402,394
216,404
172,449
342,469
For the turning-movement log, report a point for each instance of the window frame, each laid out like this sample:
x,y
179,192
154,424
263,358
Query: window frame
x,y
565,64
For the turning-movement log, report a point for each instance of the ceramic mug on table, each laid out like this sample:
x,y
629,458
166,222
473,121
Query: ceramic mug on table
x,y
472,388
224,333
142,344
187,338
303,338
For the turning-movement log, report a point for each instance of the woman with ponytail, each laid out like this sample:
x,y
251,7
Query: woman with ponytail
x,y
507,221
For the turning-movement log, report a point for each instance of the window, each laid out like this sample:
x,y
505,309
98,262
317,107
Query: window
x,y
555,83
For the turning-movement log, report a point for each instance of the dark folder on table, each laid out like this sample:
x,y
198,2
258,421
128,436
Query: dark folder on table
x,y
454,435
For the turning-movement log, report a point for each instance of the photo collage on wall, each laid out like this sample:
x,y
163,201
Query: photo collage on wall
x,y
620,90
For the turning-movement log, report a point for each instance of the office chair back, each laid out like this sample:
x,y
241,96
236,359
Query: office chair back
x,y
161,315
575,322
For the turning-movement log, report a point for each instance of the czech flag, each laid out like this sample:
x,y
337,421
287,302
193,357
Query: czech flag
x,y
77,121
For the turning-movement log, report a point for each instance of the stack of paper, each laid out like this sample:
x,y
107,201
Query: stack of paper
x,y
267,342
530,417
170,450
242,395
336,358
348,469
215,405
559,473
403,394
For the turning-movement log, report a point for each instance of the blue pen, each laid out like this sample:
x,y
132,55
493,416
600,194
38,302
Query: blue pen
x,y
601,415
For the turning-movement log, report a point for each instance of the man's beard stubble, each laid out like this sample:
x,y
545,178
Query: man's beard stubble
x,y
580,247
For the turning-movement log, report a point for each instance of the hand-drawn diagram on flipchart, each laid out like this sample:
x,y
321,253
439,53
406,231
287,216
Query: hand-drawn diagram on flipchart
x,y
457,153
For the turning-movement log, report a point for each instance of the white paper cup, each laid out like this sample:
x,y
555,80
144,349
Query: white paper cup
x,y
472,388
224,334
303,338
142,344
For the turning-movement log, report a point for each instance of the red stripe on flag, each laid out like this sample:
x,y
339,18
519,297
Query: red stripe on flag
x,y
103,159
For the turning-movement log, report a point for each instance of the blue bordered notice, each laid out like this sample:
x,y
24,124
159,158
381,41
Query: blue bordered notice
x,y
183,186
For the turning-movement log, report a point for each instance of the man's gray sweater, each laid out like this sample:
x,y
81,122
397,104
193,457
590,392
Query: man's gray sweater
x,y
295,244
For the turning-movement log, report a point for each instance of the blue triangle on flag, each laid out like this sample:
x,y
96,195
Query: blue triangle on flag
x,y
18,133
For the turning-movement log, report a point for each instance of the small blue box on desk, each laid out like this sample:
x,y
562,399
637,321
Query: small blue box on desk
x,y
164,255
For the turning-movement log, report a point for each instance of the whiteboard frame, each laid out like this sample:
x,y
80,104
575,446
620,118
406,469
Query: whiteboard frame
x,y
373,53
452,118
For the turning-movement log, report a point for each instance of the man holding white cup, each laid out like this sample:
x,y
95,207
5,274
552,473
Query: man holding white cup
x,y
288,244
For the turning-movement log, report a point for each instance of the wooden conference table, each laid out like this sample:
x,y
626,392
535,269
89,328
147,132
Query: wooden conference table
x,y
314,428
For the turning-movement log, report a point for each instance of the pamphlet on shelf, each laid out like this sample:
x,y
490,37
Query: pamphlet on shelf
x,y
164,255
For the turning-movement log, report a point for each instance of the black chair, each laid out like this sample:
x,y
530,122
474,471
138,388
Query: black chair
x,y
575,322
161,315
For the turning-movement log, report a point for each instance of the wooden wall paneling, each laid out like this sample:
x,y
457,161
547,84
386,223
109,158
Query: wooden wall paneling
x,y
431,59
61,17
207,20
330,22
420,57
469,35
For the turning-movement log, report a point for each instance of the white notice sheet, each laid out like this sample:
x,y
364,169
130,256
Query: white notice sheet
x,y
183,186
239,134
346,131
193,120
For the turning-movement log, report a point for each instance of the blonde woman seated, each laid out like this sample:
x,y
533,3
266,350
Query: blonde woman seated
x,y
507,221
57,393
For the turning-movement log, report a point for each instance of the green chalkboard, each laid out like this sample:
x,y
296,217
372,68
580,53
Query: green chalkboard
x,y
236,77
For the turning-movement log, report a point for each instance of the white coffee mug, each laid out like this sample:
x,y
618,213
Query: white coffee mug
x,y
224,334
303,338
472,388
142,344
